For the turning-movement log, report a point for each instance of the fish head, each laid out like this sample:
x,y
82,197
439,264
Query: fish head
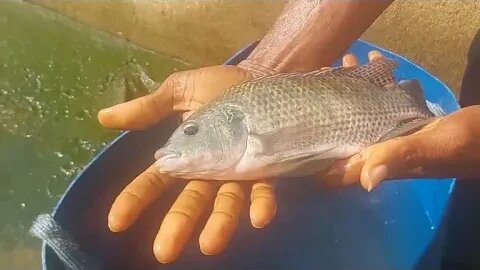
x,y
209,142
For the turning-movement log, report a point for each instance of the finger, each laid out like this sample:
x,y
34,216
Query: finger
x,y
343,172
372,55
140,193
391,158
348,171
349,60
145,111
263,206
180,221
224,219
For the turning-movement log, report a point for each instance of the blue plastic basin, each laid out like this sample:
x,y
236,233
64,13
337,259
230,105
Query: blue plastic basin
x,y
397,226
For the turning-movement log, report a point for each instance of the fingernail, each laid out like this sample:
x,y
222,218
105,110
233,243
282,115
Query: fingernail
x,y
206,246
102,113
369,187
164,253
106,110
374,54
349,60
113,224
158,251
377,175
263,218
258,223
255,222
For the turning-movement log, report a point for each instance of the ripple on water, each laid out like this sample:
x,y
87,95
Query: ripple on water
x,y
49,98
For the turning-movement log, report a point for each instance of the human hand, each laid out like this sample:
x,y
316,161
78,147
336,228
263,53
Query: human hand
x,y
446,148
185,92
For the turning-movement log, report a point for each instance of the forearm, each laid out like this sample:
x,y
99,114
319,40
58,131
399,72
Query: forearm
x,y
313,33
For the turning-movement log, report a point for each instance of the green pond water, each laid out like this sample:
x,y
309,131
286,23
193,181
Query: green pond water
x,y
55,74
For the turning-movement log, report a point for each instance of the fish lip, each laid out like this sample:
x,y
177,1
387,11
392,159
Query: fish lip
x,y
163,153
193,174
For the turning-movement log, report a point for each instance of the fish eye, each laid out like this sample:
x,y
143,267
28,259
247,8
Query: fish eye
x,y
190,129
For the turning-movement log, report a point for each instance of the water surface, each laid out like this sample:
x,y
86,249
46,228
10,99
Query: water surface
x,y
55,74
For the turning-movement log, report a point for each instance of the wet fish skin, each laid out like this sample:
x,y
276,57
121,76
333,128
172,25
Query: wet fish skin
x,y
293,125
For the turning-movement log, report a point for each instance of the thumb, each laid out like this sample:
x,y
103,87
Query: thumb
x,y
393,158
147,110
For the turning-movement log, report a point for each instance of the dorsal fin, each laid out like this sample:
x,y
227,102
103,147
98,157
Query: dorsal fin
x,y
378,71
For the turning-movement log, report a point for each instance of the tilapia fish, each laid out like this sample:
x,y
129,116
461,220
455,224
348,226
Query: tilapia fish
x,y
294,125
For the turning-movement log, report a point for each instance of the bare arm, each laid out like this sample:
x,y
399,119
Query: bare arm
x,y
313,33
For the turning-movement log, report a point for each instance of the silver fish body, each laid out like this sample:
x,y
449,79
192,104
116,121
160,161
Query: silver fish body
x,y
293,125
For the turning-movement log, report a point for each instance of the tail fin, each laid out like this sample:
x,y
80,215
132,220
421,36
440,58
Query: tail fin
x,y
435,108
413,88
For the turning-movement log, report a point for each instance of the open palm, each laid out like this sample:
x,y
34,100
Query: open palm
x,y
185,92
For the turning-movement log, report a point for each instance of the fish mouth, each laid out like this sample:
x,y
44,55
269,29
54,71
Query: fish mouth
x,y
168,161
164,154
210,175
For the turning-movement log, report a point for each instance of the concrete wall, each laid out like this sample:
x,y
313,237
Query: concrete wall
x,y
201,32
435,34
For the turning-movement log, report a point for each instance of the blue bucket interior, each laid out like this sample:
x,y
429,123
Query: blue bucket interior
x,y
400,225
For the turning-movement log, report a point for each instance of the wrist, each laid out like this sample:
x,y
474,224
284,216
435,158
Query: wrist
x,y
311,34
256,68
300,58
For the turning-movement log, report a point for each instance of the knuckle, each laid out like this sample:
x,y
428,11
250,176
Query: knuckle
x,y
225,214
154,180
228,201
402,150
177,85
194,195
134,196
176,80
229,195
265,192
189,202
179,213
409,155
172,78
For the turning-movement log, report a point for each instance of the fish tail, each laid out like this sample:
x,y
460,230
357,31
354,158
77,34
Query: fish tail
x,y
435,108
